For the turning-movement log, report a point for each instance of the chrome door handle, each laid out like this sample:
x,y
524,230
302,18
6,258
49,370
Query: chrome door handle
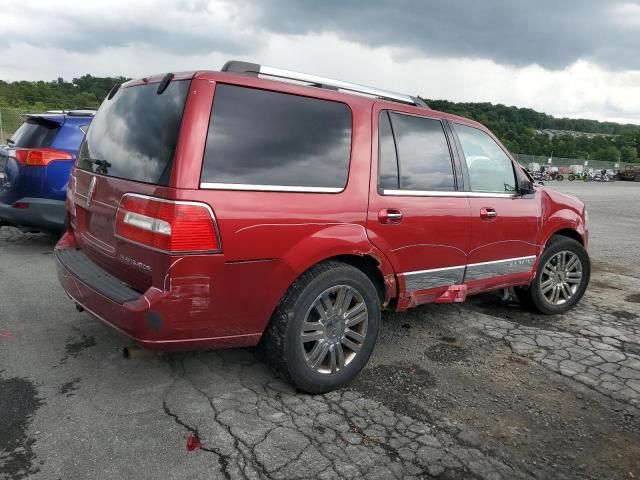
x,y
390,215
488,213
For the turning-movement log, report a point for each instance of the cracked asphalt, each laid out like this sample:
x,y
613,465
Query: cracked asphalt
x,y
482,390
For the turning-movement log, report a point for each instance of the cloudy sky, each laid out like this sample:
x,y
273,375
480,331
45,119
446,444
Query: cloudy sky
x,y
575,58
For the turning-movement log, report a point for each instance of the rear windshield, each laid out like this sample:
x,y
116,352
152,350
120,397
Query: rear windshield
x,y
133,135
35,133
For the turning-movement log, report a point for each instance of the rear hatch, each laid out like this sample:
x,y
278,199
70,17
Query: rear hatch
x,y
37,132
129,148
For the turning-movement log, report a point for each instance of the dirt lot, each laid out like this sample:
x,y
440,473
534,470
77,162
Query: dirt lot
x,y
483,390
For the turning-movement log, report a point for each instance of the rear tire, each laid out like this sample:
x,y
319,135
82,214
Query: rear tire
x,y
562,278
559,178
312,340
571,178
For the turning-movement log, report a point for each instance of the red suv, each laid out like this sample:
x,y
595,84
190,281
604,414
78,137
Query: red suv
x,y
258,206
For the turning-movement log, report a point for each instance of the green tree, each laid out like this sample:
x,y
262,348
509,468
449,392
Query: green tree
x,y
629,154
86,91
608,154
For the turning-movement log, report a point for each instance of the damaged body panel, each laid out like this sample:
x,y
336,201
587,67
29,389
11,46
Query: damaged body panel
x,y
228,208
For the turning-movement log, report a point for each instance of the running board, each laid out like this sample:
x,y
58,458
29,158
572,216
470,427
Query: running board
x,y
453,294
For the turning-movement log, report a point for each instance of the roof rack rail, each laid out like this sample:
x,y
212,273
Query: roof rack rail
x,y
235,66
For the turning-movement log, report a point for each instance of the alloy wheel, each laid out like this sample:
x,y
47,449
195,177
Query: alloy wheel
x,y
334,329
561,277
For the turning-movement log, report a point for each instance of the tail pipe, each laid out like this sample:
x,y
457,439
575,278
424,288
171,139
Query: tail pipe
x,y
133,351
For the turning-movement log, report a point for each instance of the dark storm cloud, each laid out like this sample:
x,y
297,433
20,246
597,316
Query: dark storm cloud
x,y
552,34
89,40
177,27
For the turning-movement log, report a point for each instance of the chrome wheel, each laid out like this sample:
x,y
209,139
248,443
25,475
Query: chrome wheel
x,y
334,329
561,277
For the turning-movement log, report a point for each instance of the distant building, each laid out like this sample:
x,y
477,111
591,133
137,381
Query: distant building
x,y
561,133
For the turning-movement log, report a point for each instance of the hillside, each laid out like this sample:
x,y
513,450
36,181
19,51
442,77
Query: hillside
x,y
86,91
522,130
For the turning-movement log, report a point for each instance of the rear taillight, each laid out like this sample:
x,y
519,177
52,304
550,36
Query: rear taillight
x,y
40,157
167,226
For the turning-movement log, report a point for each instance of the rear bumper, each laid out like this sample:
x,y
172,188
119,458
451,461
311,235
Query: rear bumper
x,y
43,213
151,319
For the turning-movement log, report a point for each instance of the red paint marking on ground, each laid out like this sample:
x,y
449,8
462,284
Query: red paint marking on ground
x,y
4,334
193,443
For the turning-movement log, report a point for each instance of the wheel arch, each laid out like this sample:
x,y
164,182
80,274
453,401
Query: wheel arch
x,y
567,232
368,265
348,244
373,264
566,222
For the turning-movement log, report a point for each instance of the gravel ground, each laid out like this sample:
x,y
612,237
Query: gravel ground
x,y
481,390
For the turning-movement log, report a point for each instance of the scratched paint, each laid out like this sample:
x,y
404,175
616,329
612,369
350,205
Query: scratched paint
x,y
6,334
193,291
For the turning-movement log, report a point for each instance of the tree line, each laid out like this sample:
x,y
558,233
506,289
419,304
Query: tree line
x,y
520,129
84,92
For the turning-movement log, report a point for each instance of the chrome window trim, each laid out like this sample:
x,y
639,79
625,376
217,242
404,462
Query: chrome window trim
x,y
493,195
453,193
269,188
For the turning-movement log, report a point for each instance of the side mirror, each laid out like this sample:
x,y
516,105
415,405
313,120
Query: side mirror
x,y
526,187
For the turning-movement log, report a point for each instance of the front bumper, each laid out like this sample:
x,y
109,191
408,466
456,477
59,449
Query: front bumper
x,y
42,214
151,319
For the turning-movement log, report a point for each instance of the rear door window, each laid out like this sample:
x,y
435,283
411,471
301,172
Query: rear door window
x,y
267,140
423,158
134,135
388,164
35,133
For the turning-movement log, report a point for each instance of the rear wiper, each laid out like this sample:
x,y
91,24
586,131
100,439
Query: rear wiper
x,y
95,161
102,165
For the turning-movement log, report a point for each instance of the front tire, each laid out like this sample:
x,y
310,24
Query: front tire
x,y
562,278
325,328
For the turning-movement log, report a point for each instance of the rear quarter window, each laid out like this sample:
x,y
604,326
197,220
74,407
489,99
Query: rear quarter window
x,y
267,140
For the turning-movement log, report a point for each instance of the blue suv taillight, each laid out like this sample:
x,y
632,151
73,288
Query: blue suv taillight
x,y
40,157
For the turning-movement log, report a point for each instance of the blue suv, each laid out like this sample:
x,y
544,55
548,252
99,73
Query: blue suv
x,y
35,165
